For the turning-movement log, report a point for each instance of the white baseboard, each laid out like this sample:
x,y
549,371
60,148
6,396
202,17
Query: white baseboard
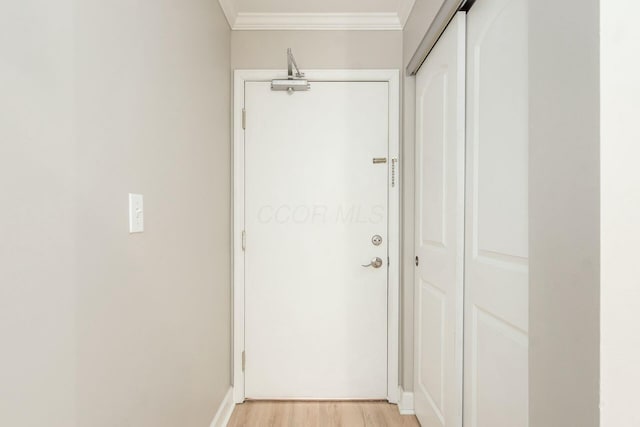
x,y
405,402
224,410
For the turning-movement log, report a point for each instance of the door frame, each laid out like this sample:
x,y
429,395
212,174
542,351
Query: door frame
x,y
392,77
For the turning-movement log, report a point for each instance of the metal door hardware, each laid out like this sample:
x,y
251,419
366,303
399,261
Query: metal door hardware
x,y
393,171
417,261
375,263
376,240
294,81
377,160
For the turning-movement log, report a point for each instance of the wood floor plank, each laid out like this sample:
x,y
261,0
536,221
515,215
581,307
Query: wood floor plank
x,y
319,414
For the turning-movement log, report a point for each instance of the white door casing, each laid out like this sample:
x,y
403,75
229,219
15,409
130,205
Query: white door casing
x,y
313,322
440,164
496,247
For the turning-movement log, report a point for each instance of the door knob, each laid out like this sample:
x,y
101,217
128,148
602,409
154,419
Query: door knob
x,y
375,263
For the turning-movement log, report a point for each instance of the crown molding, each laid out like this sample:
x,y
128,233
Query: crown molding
x,y
315,21
229,10
406,6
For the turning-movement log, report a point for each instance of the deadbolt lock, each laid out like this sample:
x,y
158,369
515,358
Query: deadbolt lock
x,y
376,240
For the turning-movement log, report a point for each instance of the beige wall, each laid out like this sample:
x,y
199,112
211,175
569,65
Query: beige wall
x,y
316,49
620,184
417,25
37,214
153,316
99,327
564,215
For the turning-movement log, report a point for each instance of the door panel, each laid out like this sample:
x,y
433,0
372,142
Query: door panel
x,y
496,271
316,319
440,219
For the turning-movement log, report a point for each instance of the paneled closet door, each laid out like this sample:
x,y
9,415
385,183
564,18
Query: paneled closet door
x,y
496,247
439,243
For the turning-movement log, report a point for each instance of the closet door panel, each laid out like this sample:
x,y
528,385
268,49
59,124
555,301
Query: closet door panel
x,y
496,236
440,230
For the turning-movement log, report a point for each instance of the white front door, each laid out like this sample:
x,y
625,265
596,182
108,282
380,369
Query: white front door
x,y
315,317
496,274
440,162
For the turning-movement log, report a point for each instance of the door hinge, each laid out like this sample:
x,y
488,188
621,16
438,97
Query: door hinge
x,y
388,261
244,118
244,240
244,361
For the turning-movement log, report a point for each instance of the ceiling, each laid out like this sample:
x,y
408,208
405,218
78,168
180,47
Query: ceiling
x,y
317,14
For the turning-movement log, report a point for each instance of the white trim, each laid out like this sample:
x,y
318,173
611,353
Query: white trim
x,y
223,414
405,403
317,21
238,227
406,6
229,10
375,21
393,310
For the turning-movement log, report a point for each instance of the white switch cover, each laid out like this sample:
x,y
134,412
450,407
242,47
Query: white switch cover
x,y
136,213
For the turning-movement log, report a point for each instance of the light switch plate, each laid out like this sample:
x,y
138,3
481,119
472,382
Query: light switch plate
x,y
136,213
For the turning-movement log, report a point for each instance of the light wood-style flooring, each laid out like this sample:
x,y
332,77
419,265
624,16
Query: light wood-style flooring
x,y
319,414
